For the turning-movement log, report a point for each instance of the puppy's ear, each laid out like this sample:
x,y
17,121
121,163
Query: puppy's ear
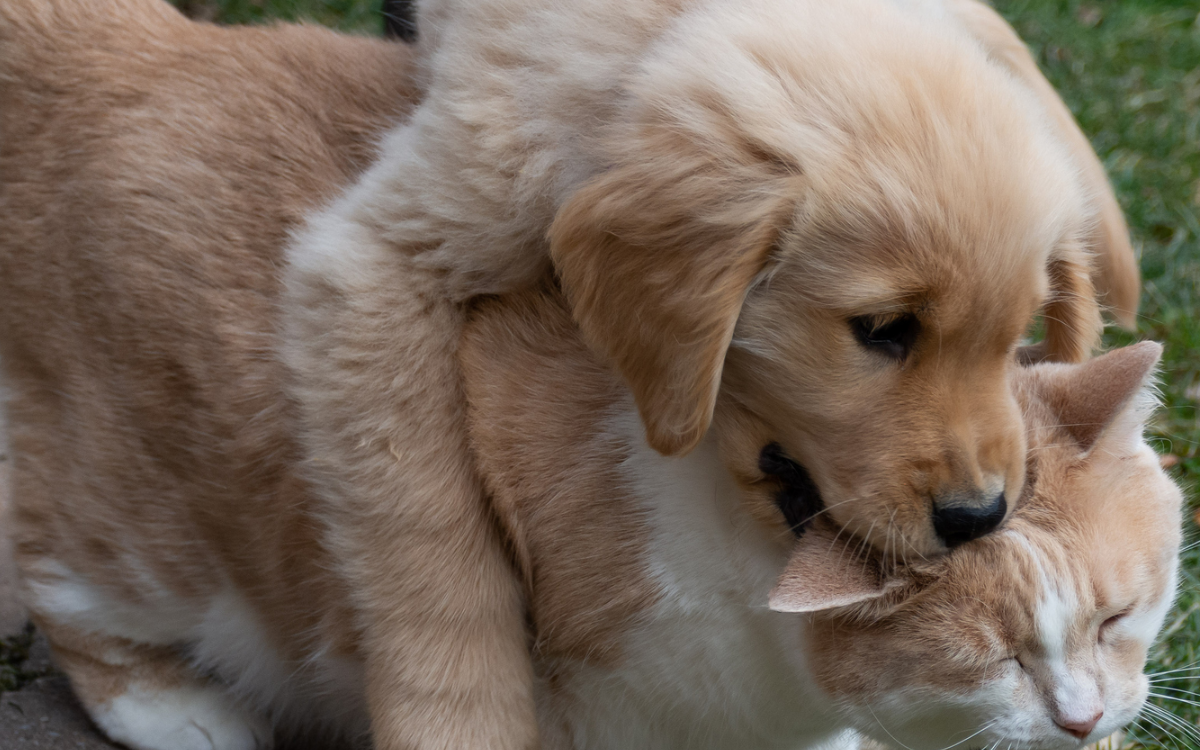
x,y
1099,399
1115,270
826,571
1072,312
656,258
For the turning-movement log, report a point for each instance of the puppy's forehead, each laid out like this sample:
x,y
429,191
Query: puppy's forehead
x,y
879,271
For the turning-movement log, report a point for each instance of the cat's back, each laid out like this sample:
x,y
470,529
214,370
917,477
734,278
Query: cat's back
x,y
151,169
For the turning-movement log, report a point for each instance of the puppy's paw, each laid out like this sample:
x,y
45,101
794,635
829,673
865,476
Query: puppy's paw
x,y
188,717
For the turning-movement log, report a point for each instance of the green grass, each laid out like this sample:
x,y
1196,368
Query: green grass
x,y
1130,71
347,15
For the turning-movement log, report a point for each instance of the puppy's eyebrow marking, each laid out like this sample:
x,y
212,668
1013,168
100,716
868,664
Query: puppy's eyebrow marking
x,y
883,299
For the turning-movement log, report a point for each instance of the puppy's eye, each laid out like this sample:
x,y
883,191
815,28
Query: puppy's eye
x,y
892,337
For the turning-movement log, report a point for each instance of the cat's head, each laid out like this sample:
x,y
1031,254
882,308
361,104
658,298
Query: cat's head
x,y
1035,637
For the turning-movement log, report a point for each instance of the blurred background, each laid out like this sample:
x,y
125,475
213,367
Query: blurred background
x,y
1130,71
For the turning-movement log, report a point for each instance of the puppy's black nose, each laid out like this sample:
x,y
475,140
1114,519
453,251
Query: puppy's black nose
x,y
958,522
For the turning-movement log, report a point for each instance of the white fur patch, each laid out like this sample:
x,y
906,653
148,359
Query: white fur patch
x,y
191,717
712,668
223,635
69,598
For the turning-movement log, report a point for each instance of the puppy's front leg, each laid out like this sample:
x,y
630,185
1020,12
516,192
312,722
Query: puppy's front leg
x,y
373,347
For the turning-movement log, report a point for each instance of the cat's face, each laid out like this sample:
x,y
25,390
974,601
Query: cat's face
x,y
1036,637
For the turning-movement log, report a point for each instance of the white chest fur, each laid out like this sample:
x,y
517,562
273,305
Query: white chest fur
x,y
711,667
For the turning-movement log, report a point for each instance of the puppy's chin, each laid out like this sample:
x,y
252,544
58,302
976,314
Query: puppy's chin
x,y
875,502
898,524
909,529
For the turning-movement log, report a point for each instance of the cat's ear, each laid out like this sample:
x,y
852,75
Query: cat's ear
x,y
1101,398
828,570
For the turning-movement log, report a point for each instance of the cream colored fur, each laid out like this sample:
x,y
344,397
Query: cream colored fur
x,y
706,179
162,497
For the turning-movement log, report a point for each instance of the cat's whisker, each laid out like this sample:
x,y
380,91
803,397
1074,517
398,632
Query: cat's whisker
x,y
1166,722
978,732
1189,676
1175,679
1157,730
886,731
1172,720
1194,666
863,543
1176,698
907,543
889,552
788,531
1169,697
1155,725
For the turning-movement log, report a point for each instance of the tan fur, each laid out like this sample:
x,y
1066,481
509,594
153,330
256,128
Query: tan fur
x,y
152,168
709,183
1115,274
554,477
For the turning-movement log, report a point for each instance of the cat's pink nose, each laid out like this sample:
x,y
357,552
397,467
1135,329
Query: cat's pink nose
x,y
1081,728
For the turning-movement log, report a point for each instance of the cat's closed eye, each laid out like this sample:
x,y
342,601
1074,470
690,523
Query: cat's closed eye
x,y
1112,621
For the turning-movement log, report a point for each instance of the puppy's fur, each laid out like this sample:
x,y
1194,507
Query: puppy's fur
x,y
148,183
734,196
1115,272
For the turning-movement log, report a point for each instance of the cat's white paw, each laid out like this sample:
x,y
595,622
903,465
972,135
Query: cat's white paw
x,y
190,717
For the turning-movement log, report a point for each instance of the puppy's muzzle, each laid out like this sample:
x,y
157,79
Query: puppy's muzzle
x,y
965,517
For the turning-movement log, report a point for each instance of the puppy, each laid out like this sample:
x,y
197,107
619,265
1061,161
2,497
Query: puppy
x,y
1115,272
819,228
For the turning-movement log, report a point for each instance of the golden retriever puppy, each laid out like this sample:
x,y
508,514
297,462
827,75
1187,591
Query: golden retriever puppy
x,y
841,217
